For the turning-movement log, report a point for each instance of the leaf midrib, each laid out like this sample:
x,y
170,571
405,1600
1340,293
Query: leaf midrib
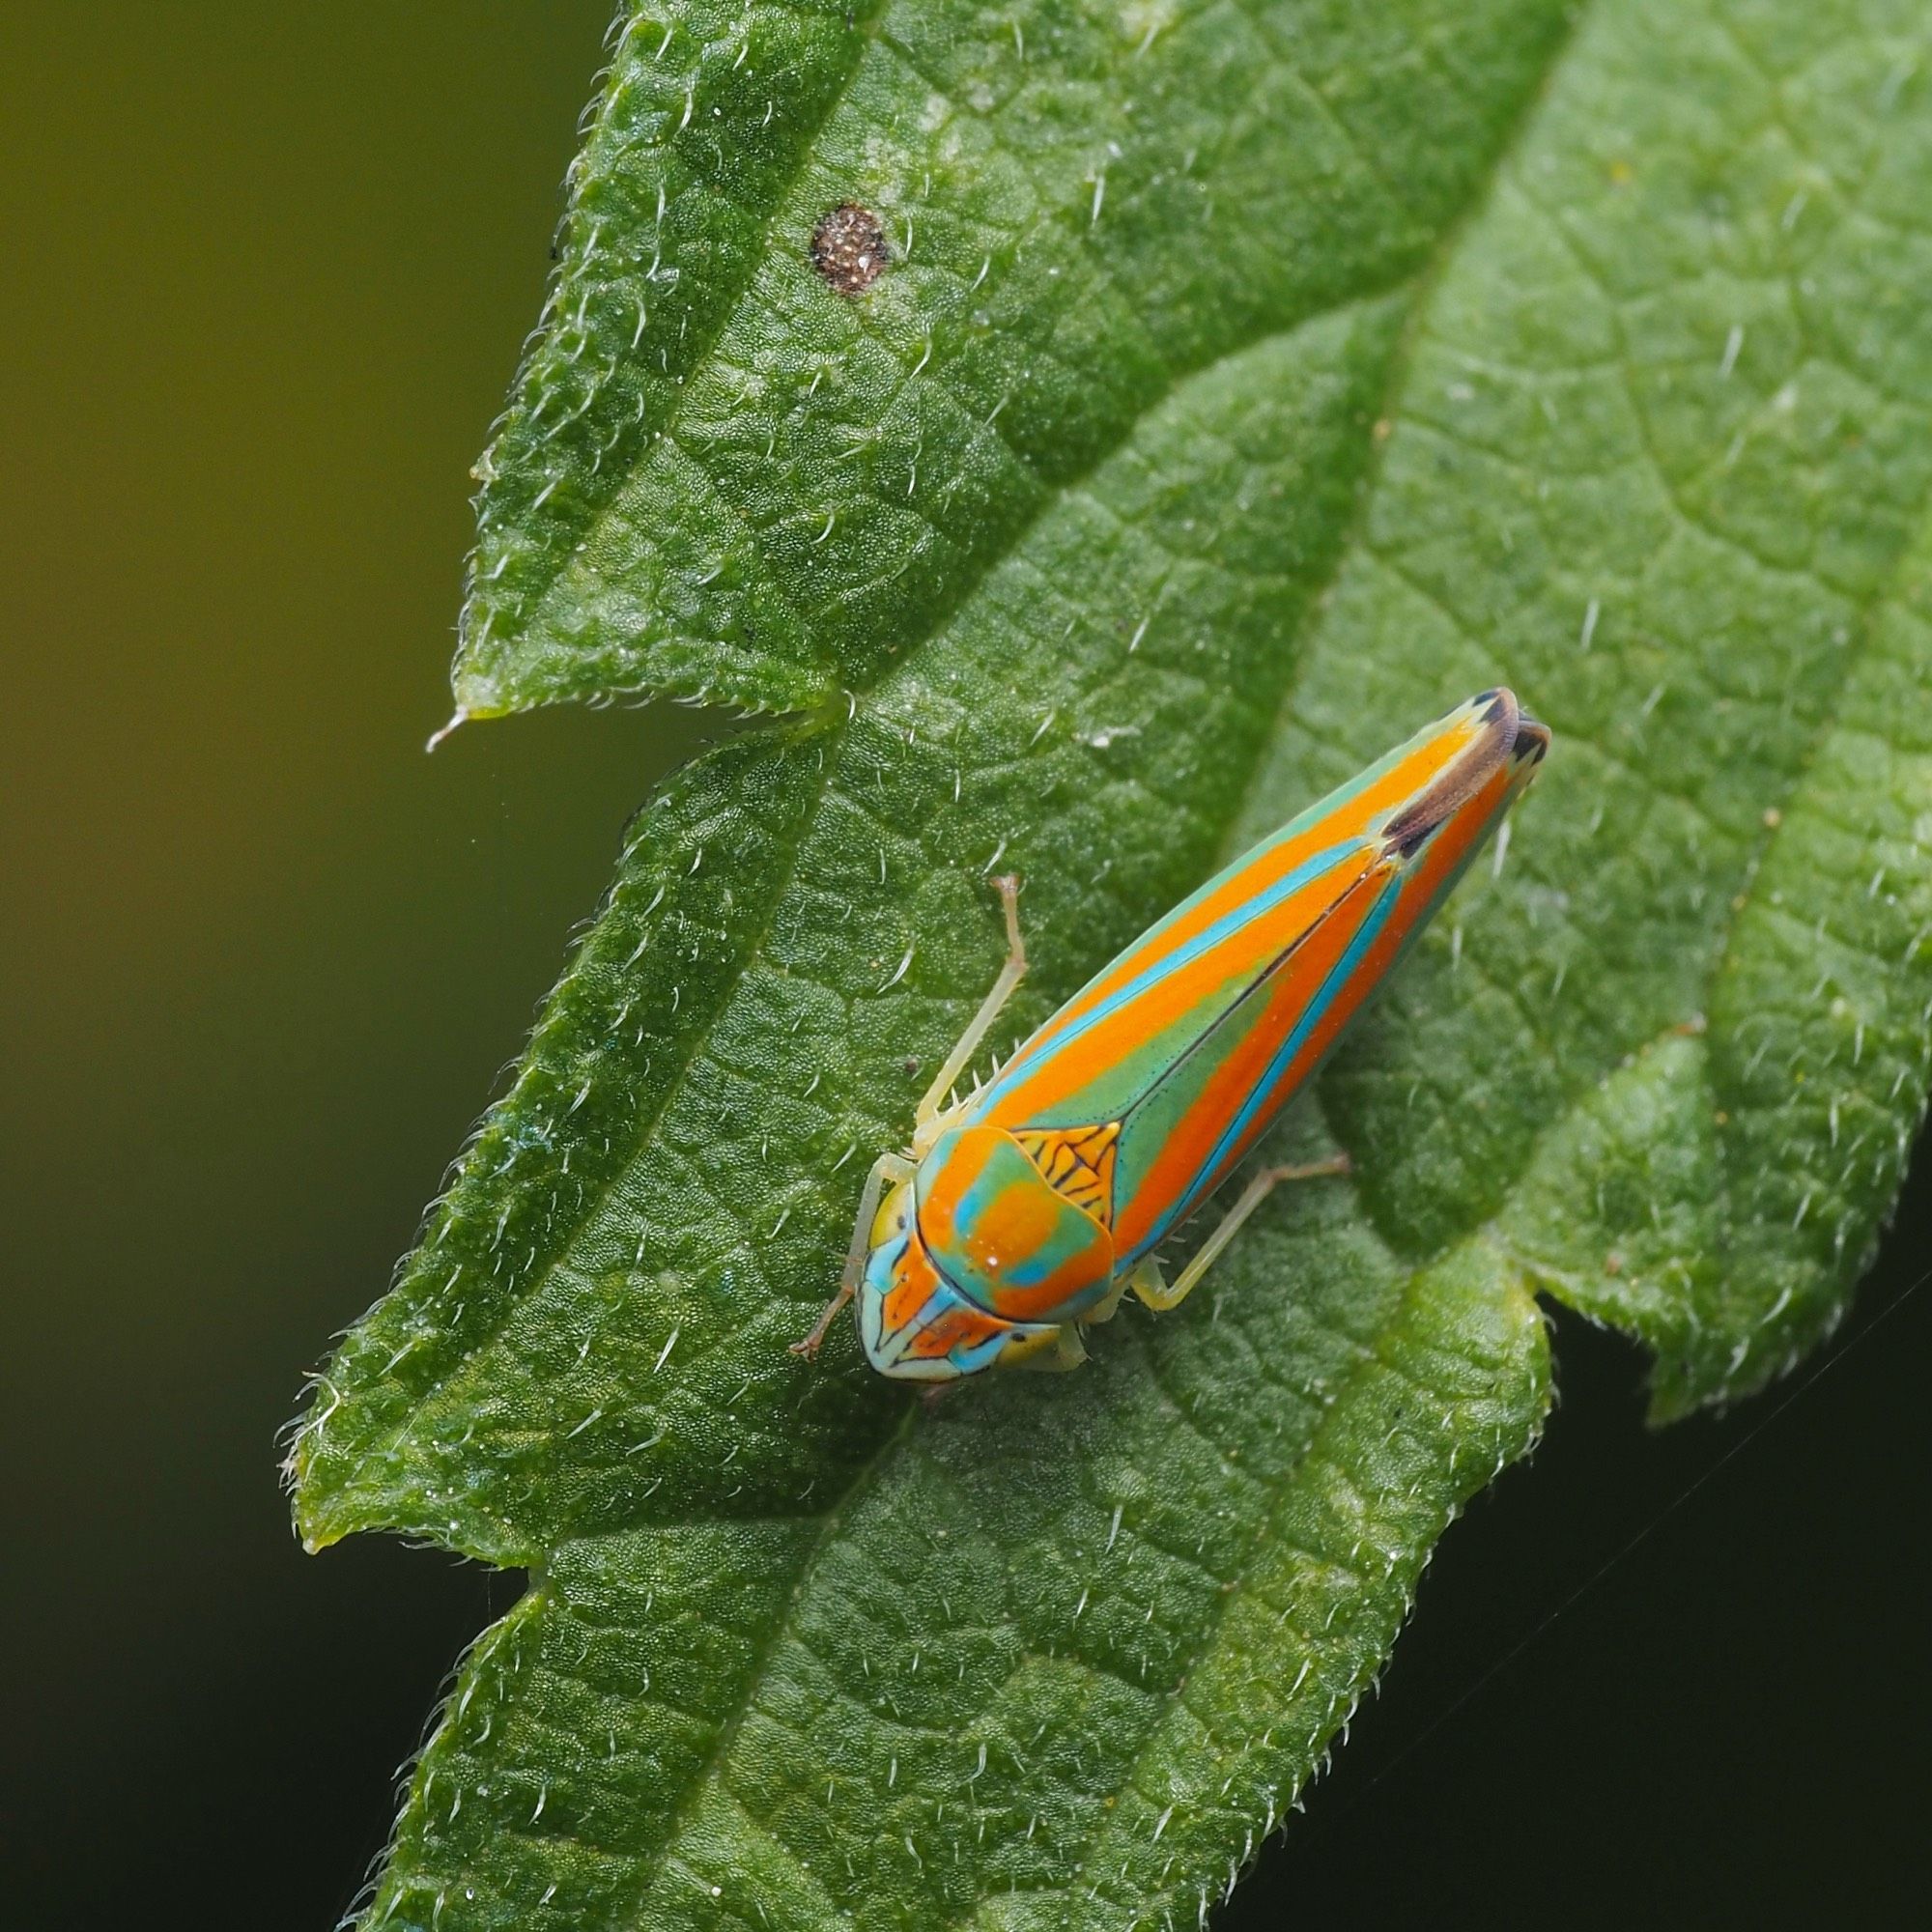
x,y
709,1774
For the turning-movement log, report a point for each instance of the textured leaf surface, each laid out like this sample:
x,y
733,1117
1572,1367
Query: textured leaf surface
x,y
1247,383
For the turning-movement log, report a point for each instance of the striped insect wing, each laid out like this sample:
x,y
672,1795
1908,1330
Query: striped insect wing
x,y
1194,1038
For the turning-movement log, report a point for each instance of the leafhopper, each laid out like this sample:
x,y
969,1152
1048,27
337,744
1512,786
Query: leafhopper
x,y
1021,1214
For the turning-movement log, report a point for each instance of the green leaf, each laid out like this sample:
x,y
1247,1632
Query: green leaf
x,y
718,478
1245,385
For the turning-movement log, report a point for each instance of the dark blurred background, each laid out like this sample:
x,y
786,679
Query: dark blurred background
x,y
267,269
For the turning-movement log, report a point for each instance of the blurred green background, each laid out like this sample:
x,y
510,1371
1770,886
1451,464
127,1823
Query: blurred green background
x,y
268,272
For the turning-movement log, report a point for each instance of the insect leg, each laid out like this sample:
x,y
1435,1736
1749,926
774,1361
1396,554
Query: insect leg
x,y
1064,1350
1010,975
1147,1280
1108,1305
888,1168
1150,1284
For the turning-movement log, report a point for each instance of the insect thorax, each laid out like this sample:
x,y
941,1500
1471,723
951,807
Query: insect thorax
x,y
1078,1164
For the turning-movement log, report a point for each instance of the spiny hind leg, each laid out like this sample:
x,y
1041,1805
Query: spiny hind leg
x,y
1002,990
1154,1288
888,1170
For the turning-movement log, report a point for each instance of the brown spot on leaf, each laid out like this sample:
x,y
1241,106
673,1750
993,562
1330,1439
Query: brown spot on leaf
x,y
848,248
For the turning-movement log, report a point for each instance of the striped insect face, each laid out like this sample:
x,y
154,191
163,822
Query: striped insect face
x,y
1010,1243
1033,1202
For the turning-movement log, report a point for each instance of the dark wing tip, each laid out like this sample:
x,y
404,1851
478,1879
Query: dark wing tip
x,y
1532,740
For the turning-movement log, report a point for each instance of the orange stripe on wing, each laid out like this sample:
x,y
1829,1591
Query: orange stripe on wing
x,y
1028,1090
1267,864
1419,891
1288,993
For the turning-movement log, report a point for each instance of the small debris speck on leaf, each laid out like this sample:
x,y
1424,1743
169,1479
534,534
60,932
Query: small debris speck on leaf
x,y
848,247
